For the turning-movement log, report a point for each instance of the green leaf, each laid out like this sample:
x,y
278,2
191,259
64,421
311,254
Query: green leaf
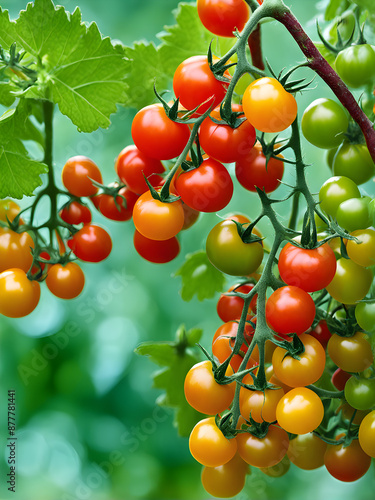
x,y
176,358
199,277
335,8
185,39
327,54
79,70
6,98
366,4
7,30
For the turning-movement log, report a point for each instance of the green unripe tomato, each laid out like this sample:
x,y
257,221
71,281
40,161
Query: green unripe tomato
x,y
228,253
334,191
354,214
354,161
330,157
324,123
356,65
351,282
360,393
365,315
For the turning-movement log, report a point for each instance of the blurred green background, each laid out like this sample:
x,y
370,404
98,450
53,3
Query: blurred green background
x,y
88,425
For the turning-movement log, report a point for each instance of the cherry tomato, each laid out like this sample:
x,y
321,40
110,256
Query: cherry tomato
x,y
300,411
230,307
356,65
156,251
365,315
263,452
348,463
194,83
360,393
351,282
309,269
290,309
92,243
228,253
277,470
8,210
324,123
208,188
223,17
65,281
268,106
209,446
363,252
203,393
156,135
18,295
334,191
224,143
132,166
351,354
190,216
77,174
354,214
354,161
321,332
15,250
303,371
366,435
252,171
76,213
339,379
224,340
157,220
260,405
307,451
225,480
124,209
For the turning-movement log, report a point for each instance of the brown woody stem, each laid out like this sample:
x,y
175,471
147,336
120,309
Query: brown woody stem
x,y
255,47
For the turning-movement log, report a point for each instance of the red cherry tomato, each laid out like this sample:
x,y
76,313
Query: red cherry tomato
x,y
92,243
76,213
156,251
223,17
124,209
77,174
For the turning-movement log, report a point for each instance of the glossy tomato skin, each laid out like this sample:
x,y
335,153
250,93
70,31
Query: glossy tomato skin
x,y
108,208
8,210
350,283
309,269
354,161
268,106
226,250
354,213
261,405
208,188
194,83
360,393
65,282
224,143
203,393
132,166
351,354
303,371
223,17
322,333
76,213
77,174
252,171
224,340
209,446
365,315
157,220
92,243
339,379
334,191
156,135
15,250
348,463
156,251
225,480
356,65
300,411
290,309
264,452
324,123
230,307
18,295
307,451
363,251
366,435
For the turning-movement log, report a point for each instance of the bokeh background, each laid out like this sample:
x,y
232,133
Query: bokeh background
x,y
88,425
